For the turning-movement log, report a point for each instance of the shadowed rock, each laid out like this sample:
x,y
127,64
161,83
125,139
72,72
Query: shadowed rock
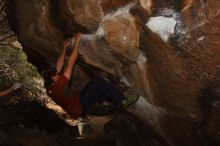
x,y
169,75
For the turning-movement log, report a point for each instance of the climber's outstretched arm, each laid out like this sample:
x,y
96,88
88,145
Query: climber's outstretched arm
x,y
72,58
5,92
9,90
61,59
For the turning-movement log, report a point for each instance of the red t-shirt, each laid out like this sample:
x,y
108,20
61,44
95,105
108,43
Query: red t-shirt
x,y
67,97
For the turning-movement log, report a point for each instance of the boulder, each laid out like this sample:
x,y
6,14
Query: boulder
x,y
170,74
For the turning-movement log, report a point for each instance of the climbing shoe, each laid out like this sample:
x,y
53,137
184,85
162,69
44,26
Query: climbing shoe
x,y
84,126
129,100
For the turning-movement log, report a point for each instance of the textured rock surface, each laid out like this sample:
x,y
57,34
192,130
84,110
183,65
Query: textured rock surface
x,y
171,76
130,131
5,30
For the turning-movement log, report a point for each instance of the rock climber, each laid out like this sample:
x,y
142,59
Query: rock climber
x,y
74,103
11,89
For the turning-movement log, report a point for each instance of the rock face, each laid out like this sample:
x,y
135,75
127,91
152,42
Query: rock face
x,y
5,30
176,77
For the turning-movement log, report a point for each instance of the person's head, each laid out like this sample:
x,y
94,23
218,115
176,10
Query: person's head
x,y
49,76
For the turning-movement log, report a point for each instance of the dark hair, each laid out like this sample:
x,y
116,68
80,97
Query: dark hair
x,y
47,74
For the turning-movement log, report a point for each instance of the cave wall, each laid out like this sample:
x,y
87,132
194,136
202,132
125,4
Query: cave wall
x,y
170,74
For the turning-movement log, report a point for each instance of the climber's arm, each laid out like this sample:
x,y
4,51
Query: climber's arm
x,y
9,90
61,59
5,92
72,58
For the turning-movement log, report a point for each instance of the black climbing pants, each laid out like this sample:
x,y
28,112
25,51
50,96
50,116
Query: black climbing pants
x,y
96,90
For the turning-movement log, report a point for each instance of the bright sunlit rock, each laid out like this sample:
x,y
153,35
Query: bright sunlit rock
x,y
161,25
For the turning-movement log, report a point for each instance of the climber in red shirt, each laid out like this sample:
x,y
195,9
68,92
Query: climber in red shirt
x,y
73,102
